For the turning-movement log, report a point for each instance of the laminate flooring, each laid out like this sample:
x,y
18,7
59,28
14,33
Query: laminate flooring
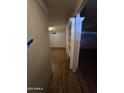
x,y
63,80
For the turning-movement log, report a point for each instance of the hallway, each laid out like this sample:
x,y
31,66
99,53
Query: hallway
x,y
63,79
50,25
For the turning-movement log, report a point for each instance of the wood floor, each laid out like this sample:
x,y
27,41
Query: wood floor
x,y
87,70
64,80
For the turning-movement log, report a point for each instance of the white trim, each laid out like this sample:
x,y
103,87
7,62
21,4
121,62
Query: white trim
x,y
72,20
78,39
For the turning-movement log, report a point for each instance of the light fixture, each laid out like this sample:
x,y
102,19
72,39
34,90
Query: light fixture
x,y
51,28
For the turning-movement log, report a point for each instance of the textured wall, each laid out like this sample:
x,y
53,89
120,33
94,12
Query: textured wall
x,y
39,67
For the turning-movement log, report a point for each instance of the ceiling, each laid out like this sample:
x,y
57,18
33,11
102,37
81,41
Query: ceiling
x,y
59,12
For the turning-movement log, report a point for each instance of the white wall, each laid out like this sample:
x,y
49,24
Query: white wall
x,y
58,39
38,63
